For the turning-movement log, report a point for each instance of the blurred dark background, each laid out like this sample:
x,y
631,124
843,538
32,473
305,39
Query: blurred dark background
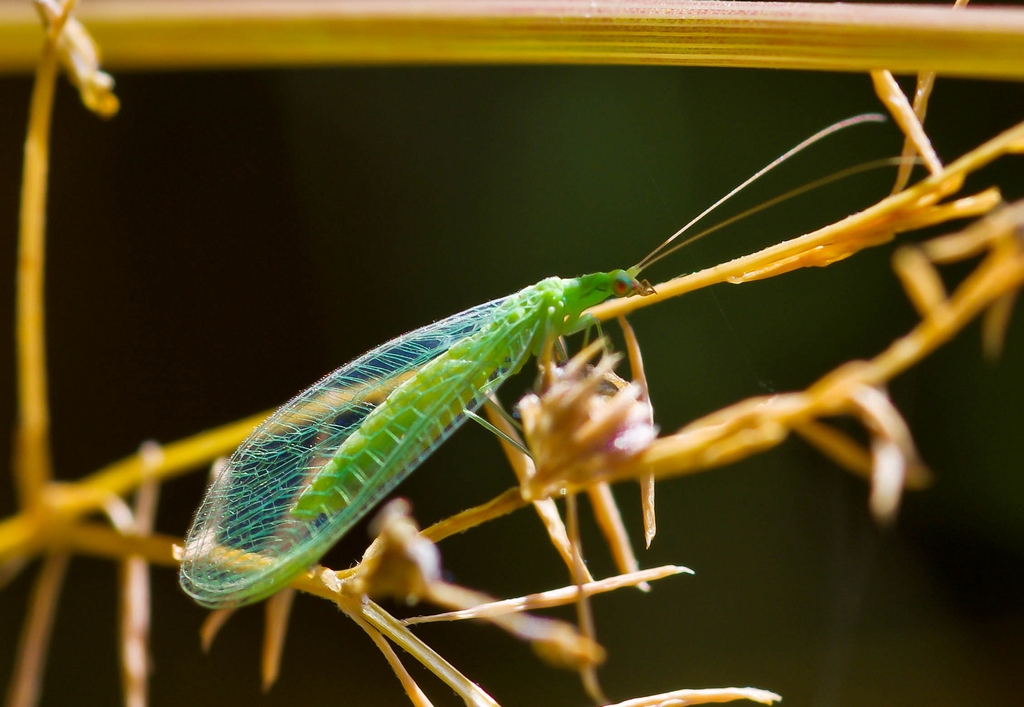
x,y
230,237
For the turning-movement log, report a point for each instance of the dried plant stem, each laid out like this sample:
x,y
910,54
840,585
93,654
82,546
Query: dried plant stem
x,y
214,622
178,458
555,597
907,118
843,450
32,463
557,642
35,634
412,690
636,366
994,325
912,208
923,91
993,279
760,423
28,532
135,601
278,609
501,505
100,541
545,508
684,698
584,615
609,520
844,37
370,613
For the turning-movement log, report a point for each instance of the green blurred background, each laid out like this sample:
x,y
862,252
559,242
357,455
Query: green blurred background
x,y
231,237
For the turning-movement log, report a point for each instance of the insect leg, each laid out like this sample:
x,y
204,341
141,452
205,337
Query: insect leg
x,y
494,405
501,435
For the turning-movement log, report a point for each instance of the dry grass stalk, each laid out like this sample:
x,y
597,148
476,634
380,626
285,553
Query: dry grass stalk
x,y
923,92
214,622
135,592
412,690
33,644
404,565
908,119
636,364
277,611
609,520
816,36
761,423
524,468
555,597
682,698
32,463
408,568
80,57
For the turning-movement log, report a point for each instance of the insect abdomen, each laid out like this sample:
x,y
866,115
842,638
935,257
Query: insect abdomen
x,y
418,416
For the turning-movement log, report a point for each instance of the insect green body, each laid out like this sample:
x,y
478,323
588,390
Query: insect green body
x,y
321,462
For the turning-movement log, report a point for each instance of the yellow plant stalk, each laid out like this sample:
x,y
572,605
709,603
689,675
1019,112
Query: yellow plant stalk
x,y
831,37
757,424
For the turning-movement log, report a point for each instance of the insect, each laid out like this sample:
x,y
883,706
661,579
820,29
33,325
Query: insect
x,y
321,462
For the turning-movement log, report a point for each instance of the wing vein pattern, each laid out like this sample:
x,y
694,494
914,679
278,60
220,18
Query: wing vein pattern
x,y
319,463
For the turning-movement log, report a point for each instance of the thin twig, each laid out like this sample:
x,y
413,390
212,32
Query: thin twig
x,y
922,93
555,597
32,463
26,682
275,629
890,93
758,424
390,627
412,690
684,698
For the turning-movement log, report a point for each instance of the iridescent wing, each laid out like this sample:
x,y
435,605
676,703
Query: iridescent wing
x,y
250,538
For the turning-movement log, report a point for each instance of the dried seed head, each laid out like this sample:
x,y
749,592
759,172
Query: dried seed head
x,y
894,457
583,420
405,564
563,647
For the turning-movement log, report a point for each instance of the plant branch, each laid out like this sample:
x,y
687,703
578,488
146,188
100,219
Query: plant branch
x,y
757,424
831,37
32,463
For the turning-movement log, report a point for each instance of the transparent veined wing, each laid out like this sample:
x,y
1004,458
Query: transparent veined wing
x,y
250,537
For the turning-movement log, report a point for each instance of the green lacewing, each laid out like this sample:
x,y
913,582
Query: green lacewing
x,y
327,456
319,463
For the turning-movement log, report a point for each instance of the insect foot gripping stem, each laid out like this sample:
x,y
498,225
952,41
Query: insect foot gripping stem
x,y
640,287
584,421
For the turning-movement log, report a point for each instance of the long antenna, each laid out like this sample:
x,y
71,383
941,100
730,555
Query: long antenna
x,y
830,130
810,186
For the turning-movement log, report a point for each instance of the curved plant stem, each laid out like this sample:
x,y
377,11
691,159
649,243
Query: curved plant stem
x,y
32,463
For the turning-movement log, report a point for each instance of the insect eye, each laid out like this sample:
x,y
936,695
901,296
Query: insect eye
x,y
621,285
